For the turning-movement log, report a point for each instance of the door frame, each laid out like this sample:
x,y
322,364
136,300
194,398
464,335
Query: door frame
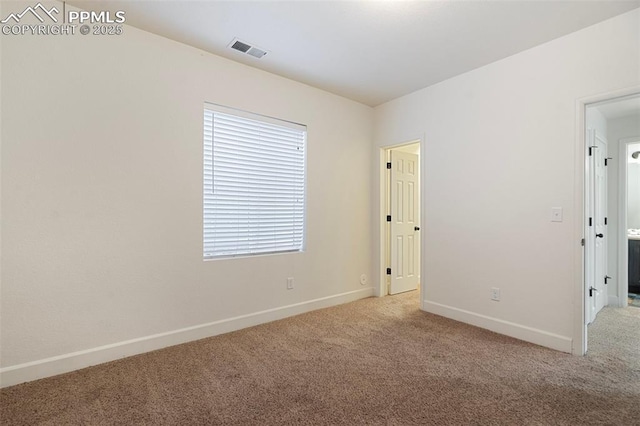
x,y
579,341
381,289
623,245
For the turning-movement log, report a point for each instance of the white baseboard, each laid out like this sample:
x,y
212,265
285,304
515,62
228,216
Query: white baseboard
x,y
528,334
39,369
613,301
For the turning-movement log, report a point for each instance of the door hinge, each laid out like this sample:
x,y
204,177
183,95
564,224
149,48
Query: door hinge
x,y
388,218
388,271
590,221
606,279
388,165
582,242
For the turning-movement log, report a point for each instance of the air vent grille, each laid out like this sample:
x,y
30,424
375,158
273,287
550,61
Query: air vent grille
x,y
247,48
238,45
258,53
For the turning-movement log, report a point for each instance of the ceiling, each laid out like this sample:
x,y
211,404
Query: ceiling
x,y
620,108
368,51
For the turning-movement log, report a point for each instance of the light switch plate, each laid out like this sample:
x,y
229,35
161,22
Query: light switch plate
x,y
556,214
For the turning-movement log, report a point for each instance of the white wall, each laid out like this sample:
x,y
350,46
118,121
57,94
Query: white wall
x,y
102,200
500,151
618,130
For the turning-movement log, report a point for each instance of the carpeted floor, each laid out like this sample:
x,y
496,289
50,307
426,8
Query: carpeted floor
x,y
378,361
614,340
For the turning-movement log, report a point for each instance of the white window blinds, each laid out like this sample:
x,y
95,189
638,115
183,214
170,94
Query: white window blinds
x,y
254,184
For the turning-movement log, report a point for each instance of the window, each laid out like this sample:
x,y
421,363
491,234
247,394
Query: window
x,y
254,184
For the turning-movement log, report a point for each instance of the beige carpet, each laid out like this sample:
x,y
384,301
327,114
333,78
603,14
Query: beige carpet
x,y
614,340
378,361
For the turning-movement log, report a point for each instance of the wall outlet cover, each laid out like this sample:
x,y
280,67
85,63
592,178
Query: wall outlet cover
x,y
556,214
495,293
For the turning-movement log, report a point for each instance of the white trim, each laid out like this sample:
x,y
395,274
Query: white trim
x,y
580,328
623,243
521,332
579,311
381,289
612,300
423,222
39,369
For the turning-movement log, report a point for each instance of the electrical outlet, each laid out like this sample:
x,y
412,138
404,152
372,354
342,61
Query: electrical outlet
x,y
363,279
495,294
290,283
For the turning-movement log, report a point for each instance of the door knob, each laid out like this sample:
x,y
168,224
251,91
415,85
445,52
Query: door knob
x,y
416,228
599,235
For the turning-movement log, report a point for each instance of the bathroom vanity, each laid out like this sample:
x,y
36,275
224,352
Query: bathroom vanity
x,y
634,264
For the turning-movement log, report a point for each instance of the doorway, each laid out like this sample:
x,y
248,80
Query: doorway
x,y
401,242
611,128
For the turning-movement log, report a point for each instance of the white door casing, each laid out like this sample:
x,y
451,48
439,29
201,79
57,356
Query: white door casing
x,y
405,222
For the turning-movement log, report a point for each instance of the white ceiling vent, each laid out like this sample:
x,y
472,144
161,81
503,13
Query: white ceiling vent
x,y
245,47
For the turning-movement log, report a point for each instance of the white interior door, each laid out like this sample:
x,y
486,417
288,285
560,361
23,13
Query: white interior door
x,y
405,226
596,235
600,221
